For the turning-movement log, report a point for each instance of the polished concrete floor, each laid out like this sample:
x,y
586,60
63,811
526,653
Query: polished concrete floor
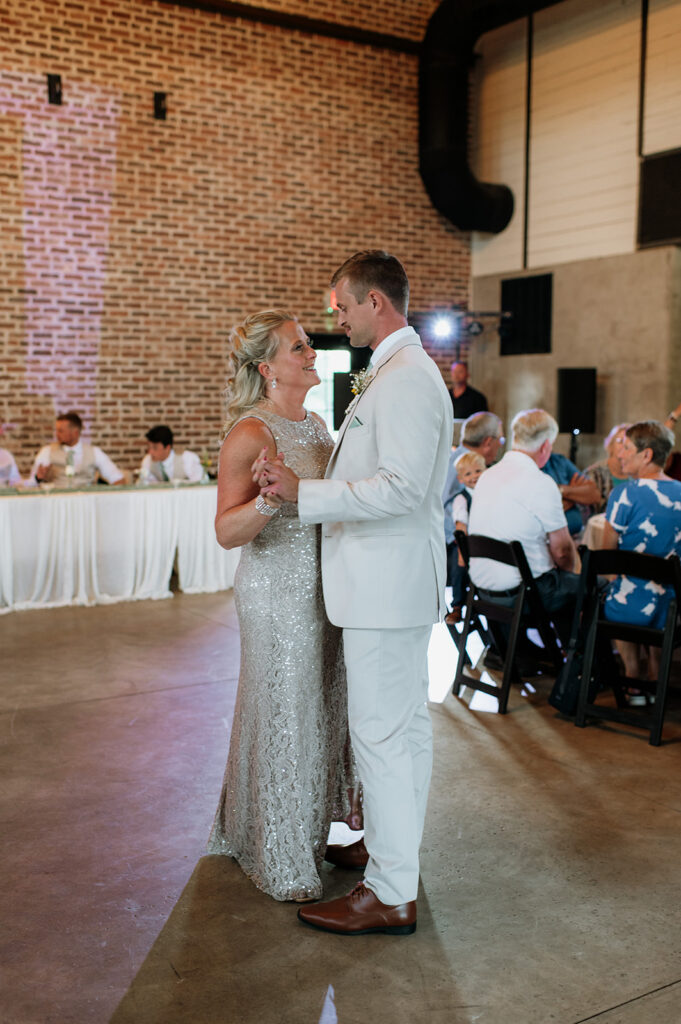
x,y
551,870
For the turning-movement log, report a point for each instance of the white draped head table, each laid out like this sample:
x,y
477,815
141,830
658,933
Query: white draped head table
x,y
109,544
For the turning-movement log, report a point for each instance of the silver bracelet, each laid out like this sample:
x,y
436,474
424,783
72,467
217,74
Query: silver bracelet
x,y
263,508
673,417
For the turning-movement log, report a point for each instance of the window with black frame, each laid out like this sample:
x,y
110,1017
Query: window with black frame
x,y
336,361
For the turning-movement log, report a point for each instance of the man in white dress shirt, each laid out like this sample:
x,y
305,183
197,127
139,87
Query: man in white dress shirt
x,y
71,462
9,473
383,574
162,463
514,500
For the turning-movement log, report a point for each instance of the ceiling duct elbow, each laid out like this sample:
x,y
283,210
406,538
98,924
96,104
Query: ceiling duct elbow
x,y
447,54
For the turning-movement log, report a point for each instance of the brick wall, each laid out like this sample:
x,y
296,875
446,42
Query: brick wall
x,y
406,18
129,246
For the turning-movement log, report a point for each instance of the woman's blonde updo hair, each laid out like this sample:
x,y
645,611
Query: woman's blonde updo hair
x,y
252,342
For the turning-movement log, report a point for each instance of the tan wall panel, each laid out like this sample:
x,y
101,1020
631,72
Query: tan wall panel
x,y
498,148
662,105
583,163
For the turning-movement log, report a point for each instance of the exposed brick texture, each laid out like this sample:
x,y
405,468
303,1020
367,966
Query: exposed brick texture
x,y
407,19
129,246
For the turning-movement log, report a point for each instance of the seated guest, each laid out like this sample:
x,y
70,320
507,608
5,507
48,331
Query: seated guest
x,y
71,461
574,488
670,422
673,466
163,463
643,514
469,467
514,500
608,473
481,435
465,400
9,474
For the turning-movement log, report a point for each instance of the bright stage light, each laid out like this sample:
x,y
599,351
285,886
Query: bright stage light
x,y
443,327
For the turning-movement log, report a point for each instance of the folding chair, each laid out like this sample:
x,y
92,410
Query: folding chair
x,y
664,571
504,622
565,692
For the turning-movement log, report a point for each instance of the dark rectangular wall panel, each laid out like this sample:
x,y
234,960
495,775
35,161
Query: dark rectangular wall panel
x,y
659,203
577,399
527,301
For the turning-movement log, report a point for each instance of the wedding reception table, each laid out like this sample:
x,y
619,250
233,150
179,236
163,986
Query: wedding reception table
x,y
109,544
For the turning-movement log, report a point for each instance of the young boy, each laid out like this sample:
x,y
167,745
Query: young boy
x,y
469,467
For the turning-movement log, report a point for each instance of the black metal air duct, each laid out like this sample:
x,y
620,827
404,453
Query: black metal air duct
x,y
447,55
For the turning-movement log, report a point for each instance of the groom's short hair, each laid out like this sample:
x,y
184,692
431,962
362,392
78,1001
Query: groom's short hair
x,y
377,269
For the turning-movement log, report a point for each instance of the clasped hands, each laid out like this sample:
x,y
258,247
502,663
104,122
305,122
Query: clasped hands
x,y
277,482
569,502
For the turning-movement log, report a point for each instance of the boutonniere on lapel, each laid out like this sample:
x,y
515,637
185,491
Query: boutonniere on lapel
x,y
358,382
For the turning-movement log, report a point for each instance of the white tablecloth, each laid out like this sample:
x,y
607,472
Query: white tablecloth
x,y
593,531
106,545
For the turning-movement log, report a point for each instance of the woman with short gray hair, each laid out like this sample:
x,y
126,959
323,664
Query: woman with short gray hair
x,y
643,514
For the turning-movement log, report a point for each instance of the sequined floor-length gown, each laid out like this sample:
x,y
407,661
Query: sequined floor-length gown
x,y
288,768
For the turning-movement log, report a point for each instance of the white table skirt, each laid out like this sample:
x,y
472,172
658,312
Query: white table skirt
x,y
593,531
106,545
202,565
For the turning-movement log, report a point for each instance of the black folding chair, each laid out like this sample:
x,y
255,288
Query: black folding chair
x,y
596,628
504,622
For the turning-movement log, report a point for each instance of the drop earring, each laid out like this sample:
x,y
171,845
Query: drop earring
x,y
273,383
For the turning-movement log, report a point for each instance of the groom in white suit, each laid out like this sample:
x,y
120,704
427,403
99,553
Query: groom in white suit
x,y
383,570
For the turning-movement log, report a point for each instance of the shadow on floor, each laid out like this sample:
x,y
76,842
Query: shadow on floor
x,y
230,954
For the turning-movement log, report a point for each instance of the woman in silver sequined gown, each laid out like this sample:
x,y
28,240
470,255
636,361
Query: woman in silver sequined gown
x,y
288,768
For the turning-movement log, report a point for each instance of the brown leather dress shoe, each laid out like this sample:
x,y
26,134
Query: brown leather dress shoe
x,y
361,913
354,857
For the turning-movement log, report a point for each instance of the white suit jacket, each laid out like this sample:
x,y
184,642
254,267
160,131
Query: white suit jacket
x,y
383,549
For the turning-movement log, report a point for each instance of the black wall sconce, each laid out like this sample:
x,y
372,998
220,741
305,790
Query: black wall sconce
x,y
54,89
160,106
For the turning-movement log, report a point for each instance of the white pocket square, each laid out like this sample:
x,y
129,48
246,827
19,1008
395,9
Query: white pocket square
x,y
355,422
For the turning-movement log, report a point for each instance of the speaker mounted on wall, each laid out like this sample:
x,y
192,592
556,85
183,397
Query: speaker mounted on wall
x,y
577,400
